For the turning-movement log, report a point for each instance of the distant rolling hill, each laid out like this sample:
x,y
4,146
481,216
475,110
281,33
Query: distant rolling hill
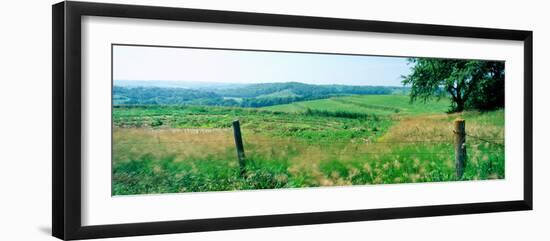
x,y
287,93
301,89
243,95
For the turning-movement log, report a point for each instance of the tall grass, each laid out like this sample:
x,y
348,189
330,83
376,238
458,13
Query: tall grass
x,y
209,163
191,149
149,174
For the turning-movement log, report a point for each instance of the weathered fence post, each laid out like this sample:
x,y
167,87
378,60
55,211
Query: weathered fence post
x,y
460,147
239,145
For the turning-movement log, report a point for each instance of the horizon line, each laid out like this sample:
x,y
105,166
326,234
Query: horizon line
x,y
252,83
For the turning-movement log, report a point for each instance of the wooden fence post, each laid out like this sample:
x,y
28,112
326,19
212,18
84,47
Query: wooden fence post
x,y
460,147
239,145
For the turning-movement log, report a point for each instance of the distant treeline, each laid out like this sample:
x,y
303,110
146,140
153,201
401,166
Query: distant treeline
x,y
253,95
300,89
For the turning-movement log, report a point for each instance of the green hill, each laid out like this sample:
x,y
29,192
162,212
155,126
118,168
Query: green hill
x,y
369,104
280,94
250,95
301,89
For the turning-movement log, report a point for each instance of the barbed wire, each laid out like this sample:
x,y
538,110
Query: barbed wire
x,y
310,142
355,143
490,141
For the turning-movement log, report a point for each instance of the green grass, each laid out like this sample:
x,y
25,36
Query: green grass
x,y
315,124
166,175
221,173
371,104
353,140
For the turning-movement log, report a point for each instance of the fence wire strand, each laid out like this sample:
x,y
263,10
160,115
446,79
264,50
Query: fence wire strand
x,y
486,140
354,143
350,142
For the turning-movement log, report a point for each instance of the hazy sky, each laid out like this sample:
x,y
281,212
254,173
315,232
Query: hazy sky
x,y
232,66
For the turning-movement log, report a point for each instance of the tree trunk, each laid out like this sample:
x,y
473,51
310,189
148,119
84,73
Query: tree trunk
x,y
459,105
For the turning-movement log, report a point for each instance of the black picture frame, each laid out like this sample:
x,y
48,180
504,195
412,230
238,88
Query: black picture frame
x,y
66,157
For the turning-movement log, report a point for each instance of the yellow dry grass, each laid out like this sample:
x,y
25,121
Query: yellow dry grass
x,y
410,134
132,143
183,144
435,128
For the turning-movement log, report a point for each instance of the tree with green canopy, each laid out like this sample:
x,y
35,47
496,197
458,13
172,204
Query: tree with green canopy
x,y
470,84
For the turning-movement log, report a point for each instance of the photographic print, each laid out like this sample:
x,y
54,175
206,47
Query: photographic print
x,y
161,114
202,119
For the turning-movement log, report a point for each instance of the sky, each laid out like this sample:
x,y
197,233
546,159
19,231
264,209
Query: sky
x,y
236,66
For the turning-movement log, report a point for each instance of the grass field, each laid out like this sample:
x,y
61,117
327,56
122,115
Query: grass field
x,y
370,104
351,140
